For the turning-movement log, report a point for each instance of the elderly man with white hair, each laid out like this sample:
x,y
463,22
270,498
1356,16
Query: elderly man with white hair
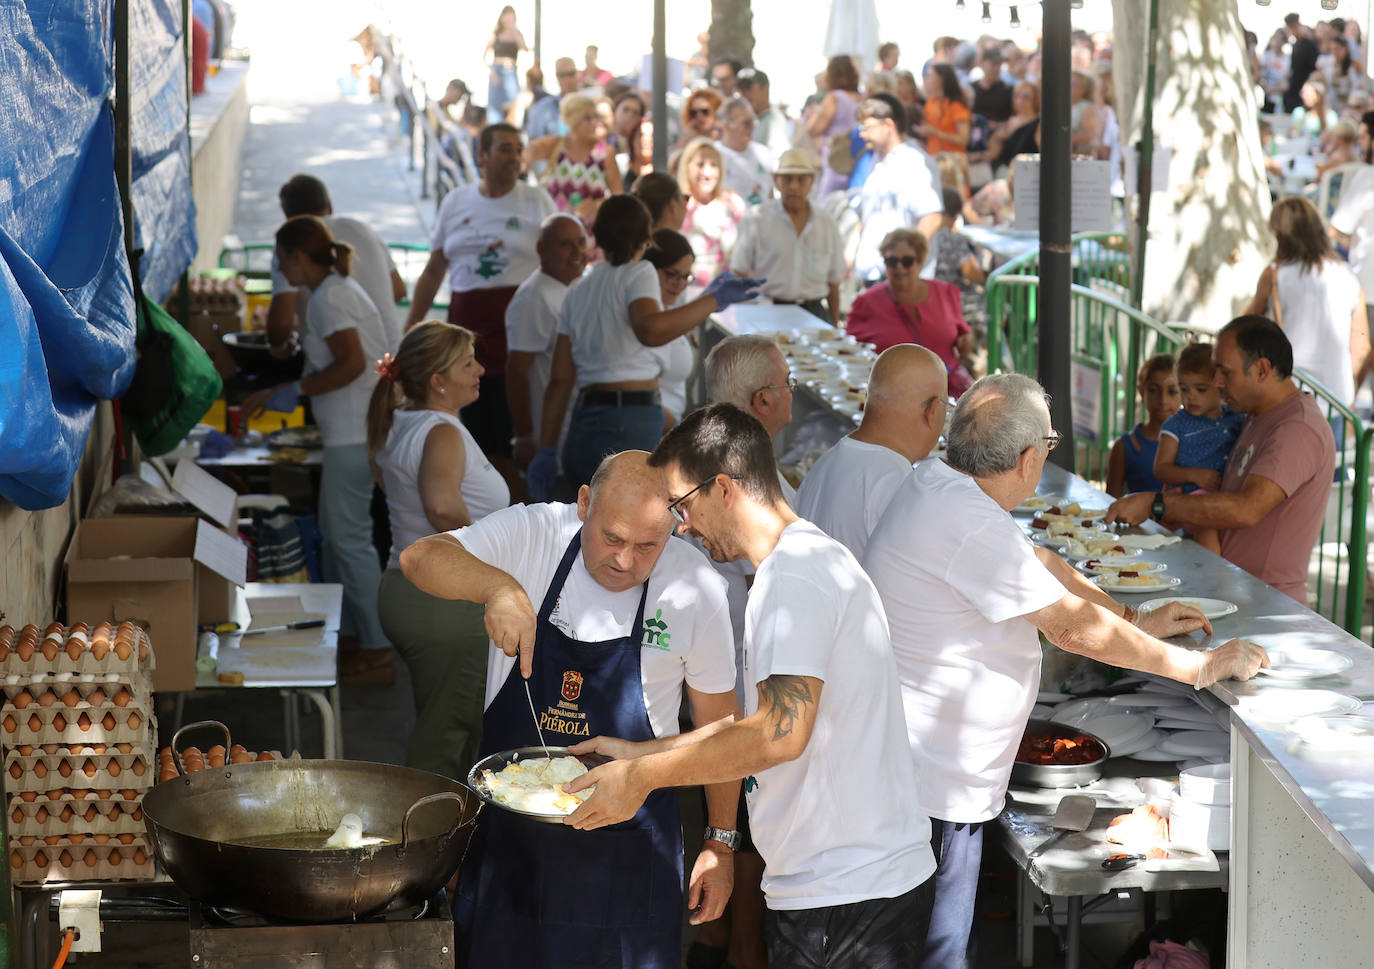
x,y
748,164
846,492
965,594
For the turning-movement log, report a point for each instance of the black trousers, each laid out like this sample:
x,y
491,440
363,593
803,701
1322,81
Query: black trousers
x,y
879,933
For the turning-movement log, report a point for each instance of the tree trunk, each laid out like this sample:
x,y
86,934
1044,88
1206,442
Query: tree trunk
x,y
732,30
1209,236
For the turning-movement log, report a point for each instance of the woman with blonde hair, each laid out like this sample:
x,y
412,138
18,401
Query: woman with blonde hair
x,y
1315,298
575,168
713,211
343,331
436,479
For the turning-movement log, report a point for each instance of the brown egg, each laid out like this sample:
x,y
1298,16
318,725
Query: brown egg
x,y
137,814
16,859
266,755
29,796
56,794
30,631
124,748
140,856
88,768
9,724
47,698
115,856
115,812
8,634
25,750
135,721
75,647
52,839
71,698
79,627
40,769
122,698
36,724
40,815
96,697
17,816
55,628
24,651
16,771
51,748
166,774
49,649
40,859
5,651
27,839
122,649
66,813
126,839
97,748
65,769
101,794
241,757
108,721
59,722
91,858
22,699
84,722
91,814
99,649
102,628
65,859
114,768
76,839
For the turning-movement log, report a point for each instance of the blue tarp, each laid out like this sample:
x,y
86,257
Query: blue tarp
x,y
66,299
164,214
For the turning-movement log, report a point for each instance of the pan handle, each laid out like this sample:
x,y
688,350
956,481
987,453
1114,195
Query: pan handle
x,y
432,799
176,740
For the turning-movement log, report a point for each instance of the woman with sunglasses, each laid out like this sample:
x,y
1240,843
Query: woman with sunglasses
x,y
908,309
699,117
574,168
671,254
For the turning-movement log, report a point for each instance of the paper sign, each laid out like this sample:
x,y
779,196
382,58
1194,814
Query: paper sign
x,y
221,552
1085,396
207,493
1090,205
676,70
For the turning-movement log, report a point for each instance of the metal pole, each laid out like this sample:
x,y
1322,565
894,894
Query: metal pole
x,y
660,87
538,30
1055,191
1144,171
123,165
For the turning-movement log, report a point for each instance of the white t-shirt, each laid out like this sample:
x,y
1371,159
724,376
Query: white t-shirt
x,y
532,327
1317,308
483,489
796,267
337,304
841,823
848,489
372,268
957,577
748,173
489,243
903,187
676,358
1355,217
596,318
693,645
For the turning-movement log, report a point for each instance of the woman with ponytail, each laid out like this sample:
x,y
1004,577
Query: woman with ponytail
x,y
436,479
342,332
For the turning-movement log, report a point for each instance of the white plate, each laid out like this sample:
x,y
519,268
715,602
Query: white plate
x,y
1189,713
1211,608
1146,741
1349,733
1149,700
1036,503
1119,729
1304,663
1076,711
1112,564
1277,710
1196,743
1147,541
1161,582
1166,722
1156,753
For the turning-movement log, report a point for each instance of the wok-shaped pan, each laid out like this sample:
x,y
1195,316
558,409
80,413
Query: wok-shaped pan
x,y
199,823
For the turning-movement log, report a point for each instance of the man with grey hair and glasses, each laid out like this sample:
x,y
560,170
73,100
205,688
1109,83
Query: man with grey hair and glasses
x,y
966,594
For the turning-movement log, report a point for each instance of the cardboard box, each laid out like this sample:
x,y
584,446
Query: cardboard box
x,y
166,574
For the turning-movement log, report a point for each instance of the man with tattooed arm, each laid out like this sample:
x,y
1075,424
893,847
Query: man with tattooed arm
x,y
830,781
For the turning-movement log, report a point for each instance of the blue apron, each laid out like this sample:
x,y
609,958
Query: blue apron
x,y
534,895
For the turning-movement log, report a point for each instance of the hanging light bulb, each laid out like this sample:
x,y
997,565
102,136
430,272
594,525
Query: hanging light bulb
x,y
987,13
1330,4
958,4
1015,20
1261,3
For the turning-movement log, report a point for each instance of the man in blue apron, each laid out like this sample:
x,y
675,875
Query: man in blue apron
x,y
610,619
831,779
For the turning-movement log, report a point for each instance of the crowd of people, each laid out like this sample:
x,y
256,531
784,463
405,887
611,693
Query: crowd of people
x,y
573,529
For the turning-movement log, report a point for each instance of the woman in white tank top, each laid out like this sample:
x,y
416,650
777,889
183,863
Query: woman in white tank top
x,y
436,479
1316,299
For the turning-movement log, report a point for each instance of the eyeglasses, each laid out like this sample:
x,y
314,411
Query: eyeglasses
x,y
790,384
1054,437
702,112
680,511
675,276
892,262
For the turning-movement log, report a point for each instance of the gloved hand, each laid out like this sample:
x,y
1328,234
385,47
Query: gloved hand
x,y
285,398
1238,659
543,472
729,289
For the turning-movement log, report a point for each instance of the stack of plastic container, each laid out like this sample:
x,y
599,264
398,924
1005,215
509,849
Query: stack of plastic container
x,y
79,741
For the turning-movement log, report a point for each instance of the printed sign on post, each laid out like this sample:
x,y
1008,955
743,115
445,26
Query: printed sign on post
x,y
1090,205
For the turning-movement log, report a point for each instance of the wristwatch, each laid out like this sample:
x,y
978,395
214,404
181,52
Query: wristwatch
x,y
1157,507
731,839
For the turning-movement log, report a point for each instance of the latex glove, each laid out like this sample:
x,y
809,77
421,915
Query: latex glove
x,y
1238,659
1172,619
285,398
543,472
729,289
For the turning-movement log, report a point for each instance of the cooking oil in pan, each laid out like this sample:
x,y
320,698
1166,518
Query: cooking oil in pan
x,y
294,840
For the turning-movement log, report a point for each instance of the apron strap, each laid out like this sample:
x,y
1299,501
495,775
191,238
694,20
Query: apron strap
x,y
561,576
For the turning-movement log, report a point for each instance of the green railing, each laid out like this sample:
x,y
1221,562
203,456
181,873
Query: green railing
x,y
1109,342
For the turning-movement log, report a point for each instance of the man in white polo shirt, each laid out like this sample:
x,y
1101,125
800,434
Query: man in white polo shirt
x,y
748,164
846,492
966,593
792,245
831,783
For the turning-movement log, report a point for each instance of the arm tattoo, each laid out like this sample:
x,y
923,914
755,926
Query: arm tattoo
x,y
784,696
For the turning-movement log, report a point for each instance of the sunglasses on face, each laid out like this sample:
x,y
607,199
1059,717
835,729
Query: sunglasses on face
x,y
892,262
701,112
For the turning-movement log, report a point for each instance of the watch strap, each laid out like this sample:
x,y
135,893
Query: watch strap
x,y
731,839
1157,507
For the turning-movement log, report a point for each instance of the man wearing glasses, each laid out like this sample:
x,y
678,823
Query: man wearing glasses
x,y
967,594
846,492
830,780
612,621
902,191
748,164
544,117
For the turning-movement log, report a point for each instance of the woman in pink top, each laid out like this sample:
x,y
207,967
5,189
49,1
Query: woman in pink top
x,y
579,172
908,309
713,211
834,115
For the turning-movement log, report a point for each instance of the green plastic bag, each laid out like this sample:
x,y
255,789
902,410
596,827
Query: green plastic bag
x,y
174,385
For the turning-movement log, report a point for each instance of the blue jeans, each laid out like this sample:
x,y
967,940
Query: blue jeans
x,y
349,556
502,89
598,430
958,855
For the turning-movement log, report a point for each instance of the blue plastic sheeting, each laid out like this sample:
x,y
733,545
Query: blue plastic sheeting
x,y
66,299
164,213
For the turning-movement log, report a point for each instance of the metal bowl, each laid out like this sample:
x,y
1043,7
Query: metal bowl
x,y
499,761
1059,775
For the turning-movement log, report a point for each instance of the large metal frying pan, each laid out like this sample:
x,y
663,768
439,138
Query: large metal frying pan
x,y
198,824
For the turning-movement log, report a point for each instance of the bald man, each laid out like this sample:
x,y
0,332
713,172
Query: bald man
x,y
848,489
611,621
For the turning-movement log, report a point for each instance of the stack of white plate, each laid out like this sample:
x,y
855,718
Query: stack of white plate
x,y
1200,813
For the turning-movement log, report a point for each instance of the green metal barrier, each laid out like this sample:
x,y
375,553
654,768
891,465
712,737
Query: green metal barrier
x,y
254,260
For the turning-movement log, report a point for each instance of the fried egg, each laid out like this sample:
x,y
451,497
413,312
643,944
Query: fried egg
x,y
536,785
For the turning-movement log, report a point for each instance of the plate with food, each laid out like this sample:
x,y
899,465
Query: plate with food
x,y
1120,565
1211,608
529,781
1137,583
1304,663
1036,503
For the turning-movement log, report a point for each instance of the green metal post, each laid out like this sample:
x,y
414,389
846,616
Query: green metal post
x,y
1144,174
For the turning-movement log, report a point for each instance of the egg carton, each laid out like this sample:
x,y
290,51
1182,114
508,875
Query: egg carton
x,y
50,819
111,771
55,650
74,692
128,795
36,864
59,725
